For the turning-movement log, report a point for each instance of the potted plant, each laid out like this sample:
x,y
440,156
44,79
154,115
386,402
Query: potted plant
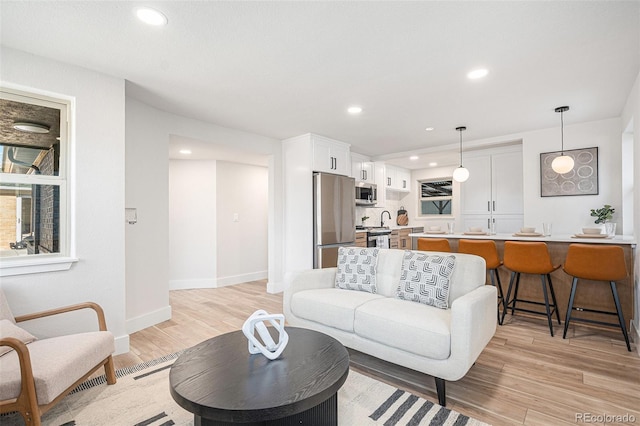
x,y
604,215
364,218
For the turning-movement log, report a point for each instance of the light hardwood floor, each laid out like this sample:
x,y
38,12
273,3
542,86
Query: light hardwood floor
x,y
524,376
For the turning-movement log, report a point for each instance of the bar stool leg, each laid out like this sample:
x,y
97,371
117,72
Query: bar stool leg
x,y
546,303
620,317
515,293
508,301
493,274
567,318
553,297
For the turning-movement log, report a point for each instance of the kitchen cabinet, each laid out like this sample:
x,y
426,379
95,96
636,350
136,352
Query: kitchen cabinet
x,y
492,197
361,239
331,156
399,238
397,179
390,178
362,170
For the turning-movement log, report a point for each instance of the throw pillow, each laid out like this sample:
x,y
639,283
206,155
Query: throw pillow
x,y
9,329
425,278
357,269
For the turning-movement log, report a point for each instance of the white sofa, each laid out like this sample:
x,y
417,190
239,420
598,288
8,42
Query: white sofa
x,y
443,343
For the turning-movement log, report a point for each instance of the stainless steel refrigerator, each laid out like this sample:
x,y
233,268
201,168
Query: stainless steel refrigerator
x,y
334,217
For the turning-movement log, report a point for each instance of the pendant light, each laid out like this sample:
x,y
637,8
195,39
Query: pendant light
x,y
563,163
460,174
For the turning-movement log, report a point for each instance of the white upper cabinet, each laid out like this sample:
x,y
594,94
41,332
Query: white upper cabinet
x,y
397,179
331,156
362,169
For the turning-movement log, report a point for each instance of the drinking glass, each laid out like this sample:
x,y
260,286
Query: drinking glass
x,y
451,227
546,229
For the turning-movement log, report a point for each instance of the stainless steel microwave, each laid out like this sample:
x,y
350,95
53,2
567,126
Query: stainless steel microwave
x,y
366,194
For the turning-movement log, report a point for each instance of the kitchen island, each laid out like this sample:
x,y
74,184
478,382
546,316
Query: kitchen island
x,y
590,294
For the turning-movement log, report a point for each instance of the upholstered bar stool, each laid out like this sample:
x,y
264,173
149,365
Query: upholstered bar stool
x,y
488,250
597,263
530,258
433,244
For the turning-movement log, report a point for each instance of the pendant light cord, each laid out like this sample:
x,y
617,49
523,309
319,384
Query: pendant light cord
x,y
460,147
562,132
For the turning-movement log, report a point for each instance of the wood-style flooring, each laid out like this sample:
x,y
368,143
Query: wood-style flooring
x,y
523,377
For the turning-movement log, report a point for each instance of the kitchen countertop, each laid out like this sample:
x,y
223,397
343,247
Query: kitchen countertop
x,y
566,238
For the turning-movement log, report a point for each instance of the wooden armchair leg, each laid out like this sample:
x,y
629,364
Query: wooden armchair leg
x,y
110,371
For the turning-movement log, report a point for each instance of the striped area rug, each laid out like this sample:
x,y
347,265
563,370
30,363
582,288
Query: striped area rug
x,y
141,398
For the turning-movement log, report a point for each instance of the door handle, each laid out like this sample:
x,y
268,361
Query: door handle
x,y
494,206
488,206
364,172
488,223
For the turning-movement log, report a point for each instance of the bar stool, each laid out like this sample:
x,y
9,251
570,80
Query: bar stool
x,y
488,250
530,258
433,244
597,263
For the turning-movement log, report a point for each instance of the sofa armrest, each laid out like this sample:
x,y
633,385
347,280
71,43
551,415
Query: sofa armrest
x,y
473,324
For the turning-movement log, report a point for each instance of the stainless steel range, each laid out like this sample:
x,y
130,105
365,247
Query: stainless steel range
x,y
376,236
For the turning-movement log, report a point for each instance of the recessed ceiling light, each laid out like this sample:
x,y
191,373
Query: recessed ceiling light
x,y
433,164
185,151
31,127
151,16
479,73
354,110
414,157
428,129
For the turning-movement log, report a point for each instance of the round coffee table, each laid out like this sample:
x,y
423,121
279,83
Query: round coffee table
x,y
221,383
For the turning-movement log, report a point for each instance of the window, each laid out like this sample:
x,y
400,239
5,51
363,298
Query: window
x,y
435,197
33,183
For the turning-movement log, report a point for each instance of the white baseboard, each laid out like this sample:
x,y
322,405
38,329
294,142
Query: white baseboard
x,y
190,284
148,320
238,279
122,344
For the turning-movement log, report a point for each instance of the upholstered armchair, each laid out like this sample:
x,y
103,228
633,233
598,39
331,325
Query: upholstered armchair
x,y
36,374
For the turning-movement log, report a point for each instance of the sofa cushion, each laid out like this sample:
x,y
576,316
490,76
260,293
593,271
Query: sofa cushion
x,y
9,329
57,363
425,278
411,327
357,269
330,306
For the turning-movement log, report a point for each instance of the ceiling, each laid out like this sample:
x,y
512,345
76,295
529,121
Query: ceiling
x,y
281,69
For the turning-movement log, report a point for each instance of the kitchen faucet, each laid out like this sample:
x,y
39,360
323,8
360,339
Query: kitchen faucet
x,y
382,219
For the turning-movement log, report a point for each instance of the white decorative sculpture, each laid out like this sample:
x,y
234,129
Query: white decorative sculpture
x,y
267,347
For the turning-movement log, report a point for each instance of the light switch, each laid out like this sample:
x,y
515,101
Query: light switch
x,y
236,217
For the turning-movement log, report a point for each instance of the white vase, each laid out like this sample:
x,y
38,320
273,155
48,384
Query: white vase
x,y
610,229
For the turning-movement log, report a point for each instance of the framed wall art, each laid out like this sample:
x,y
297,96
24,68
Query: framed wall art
x,y
581,180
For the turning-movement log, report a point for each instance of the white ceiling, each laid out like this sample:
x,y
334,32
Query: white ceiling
x,y
281,69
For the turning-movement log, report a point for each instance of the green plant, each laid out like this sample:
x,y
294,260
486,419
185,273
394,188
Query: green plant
x,y
604,214
365,218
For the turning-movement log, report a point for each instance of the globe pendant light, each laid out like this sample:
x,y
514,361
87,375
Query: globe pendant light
x,y
563,163
460,174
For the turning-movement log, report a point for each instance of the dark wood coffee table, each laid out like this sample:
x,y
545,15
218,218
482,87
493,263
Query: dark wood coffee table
x,y
222,384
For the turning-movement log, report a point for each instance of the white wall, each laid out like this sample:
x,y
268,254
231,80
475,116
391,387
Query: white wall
x,y
630,122
192,224
569,214
98,198
242,189
147,189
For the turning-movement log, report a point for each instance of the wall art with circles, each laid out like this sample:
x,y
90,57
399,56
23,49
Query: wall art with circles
x,y
581,180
